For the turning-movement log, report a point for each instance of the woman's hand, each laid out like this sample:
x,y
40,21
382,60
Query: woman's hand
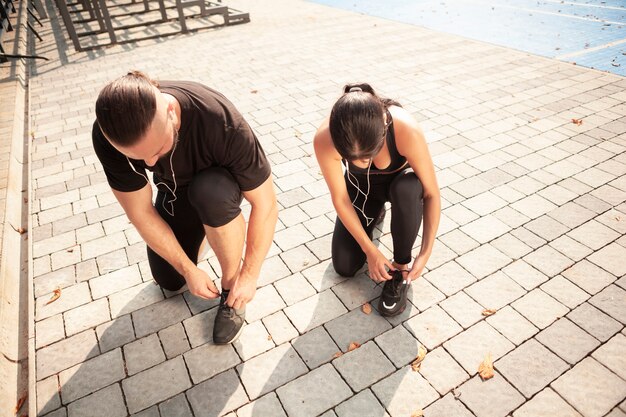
x,y
417,268
378,264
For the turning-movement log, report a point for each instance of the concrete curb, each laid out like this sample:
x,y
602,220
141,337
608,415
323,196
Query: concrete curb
x,y
14,293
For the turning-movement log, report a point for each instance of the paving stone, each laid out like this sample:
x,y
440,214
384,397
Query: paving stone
x,y
485,228
294,288
593,234
280,328
450,278
115,281
86,316
540,308
442,371
147,388
525,275
470,347
272,270
398,345
91,375
315,347
611,300
143,354
531,367
265,302
463,309
571,248
314,393
314,311
528,237
329,413
363,403
567,340
564,291
199,328
323,276
511,246
61,278
254,339
492,398
595,322
601,391
458,241
611,355
364,366
533,206
404,392
616,413
511,217
447,407
206,401
66,353
176,407
49,331
299,258
483,261
48,398
495,291
441,254
115,333
61,412
356,326
546,404
107,402
266,372
321,248
548,260
432,327
422,295
158,316
174,340
357,291
208,360
546,227
267,405
610,258
71,297
134,298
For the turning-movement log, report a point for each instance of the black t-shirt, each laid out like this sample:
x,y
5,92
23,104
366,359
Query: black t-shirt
x,y
212,133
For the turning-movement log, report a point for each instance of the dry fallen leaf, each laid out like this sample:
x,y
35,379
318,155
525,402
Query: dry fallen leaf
x,y
20,403
269,337
485,369
577,122
305,262
254,91
367,308
418,413
417,362
489,312
338,354
353,345
55,296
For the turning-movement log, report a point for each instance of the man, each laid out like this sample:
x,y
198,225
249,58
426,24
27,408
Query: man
x,y
204,158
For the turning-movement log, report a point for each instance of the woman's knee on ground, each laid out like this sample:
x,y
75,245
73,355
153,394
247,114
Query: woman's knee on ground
x,y
216,196
346,263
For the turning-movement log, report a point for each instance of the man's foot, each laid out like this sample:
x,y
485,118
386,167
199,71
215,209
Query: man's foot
x,y
393,298
228,322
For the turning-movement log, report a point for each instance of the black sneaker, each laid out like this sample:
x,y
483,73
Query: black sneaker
x,y
228,322
393,298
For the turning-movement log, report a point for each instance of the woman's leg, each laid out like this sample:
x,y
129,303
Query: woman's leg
x,y
347,255
405,195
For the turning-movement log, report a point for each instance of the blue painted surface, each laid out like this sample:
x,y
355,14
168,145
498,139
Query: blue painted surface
x,y
566,30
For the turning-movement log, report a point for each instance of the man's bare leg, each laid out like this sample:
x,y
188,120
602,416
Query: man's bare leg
x,y
227,243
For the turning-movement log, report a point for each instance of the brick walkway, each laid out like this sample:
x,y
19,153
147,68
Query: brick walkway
x,y
533,226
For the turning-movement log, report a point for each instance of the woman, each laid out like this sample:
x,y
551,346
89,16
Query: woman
x,y
386,158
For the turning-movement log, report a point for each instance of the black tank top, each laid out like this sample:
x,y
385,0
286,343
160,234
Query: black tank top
x,y
397,160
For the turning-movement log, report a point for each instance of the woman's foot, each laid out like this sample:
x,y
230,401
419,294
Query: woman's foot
x,y
393,298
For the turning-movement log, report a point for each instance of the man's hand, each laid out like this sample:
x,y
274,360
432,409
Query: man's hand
x,y
200,284
377,264
242,291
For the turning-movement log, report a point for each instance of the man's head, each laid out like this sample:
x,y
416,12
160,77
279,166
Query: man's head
x,y
136,118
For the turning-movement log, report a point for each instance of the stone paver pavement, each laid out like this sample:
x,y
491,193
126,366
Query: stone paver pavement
x,y
533,225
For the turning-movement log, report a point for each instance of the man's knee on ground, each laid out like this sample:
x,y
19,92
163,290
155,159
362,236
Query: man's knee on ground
x,y
216,196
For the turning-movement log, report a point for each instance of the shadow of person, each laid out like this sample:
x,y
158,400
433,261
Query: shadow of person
x,y
156,357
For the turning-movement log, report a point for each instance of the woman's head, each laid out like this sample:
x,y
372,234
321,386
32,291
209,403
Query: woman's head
x,y
126,107
357,124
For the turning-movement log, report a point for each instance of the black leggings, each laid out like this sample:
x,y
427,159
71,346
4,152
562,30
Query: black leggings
x,y
404,191
213,198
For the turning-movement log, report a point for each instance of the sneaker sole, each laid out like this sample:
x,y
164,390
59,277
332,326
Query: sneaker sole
x,y
232,339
